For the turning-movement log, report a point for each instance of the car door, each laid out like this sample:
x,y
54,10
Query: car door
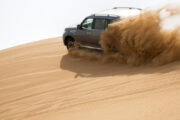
x,y
100,24
84,33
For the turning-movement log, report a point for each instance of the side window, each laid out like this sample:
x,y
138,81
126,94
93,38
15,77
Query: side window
x,y
87,24
113,20
100,24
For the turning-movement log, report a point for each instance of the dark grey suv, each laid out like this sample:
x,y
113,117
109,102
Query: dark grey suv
x,y
87,34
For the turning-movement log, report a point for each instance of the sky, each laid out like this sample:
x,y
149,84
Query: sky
x,y
24,21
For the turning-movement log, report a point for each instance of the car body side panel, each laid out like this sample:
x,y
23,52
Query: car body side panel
x,y
83,36
96,36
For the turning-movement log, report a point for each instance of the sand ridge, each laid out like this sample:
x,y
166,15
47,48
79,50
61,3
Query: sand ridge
x,y
40,81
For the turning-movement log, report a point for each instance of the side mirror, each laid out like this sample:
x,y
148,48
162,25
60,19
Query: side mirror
x,y
78,26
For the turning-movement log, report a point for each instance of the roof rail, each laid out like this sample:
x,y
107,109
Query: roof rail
x,y
108,15
127,7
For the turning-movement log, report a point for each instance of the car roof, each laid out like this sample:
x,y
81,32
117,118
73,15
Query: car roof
x,y
118,12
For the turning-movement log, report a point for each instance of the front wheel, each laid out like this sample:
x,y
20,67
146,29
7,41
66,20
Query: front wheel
x,y
70,43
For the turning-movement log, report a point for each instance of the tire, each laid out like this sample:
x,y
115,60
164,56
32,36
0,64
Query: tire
x,y
70,43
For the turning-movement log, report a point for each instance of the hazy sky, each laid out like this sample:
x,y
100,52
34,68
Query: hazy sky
x,y
23,21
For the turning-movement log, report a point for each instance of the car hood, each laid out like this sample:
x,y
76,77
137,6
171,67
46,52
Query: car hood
x,y
71,27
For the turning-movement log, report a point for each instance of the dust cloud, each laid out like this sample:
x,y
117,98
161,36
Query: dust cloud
x,y
152,37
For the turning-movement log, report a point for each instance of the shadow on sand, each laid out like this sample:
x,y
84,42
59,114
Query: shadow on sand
x,y
87,68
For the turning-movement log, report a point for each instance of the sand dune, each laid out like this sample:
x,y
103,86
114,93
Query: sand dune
x,y
40,81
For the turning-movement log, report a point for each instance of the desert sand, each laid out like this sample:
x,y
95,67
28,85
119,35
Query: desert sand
x,y
40,81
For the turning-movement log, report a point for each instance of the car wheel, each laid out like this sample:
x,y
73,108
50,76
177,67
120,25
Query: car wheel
x,y
70,43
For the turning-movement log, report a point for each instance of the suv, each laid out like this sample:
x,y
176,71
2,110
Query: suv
x,y
87,34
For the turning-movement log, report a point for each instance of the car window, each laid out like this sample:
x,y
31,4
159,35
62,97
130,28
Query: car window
x,y
87,24
100,24
113,20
